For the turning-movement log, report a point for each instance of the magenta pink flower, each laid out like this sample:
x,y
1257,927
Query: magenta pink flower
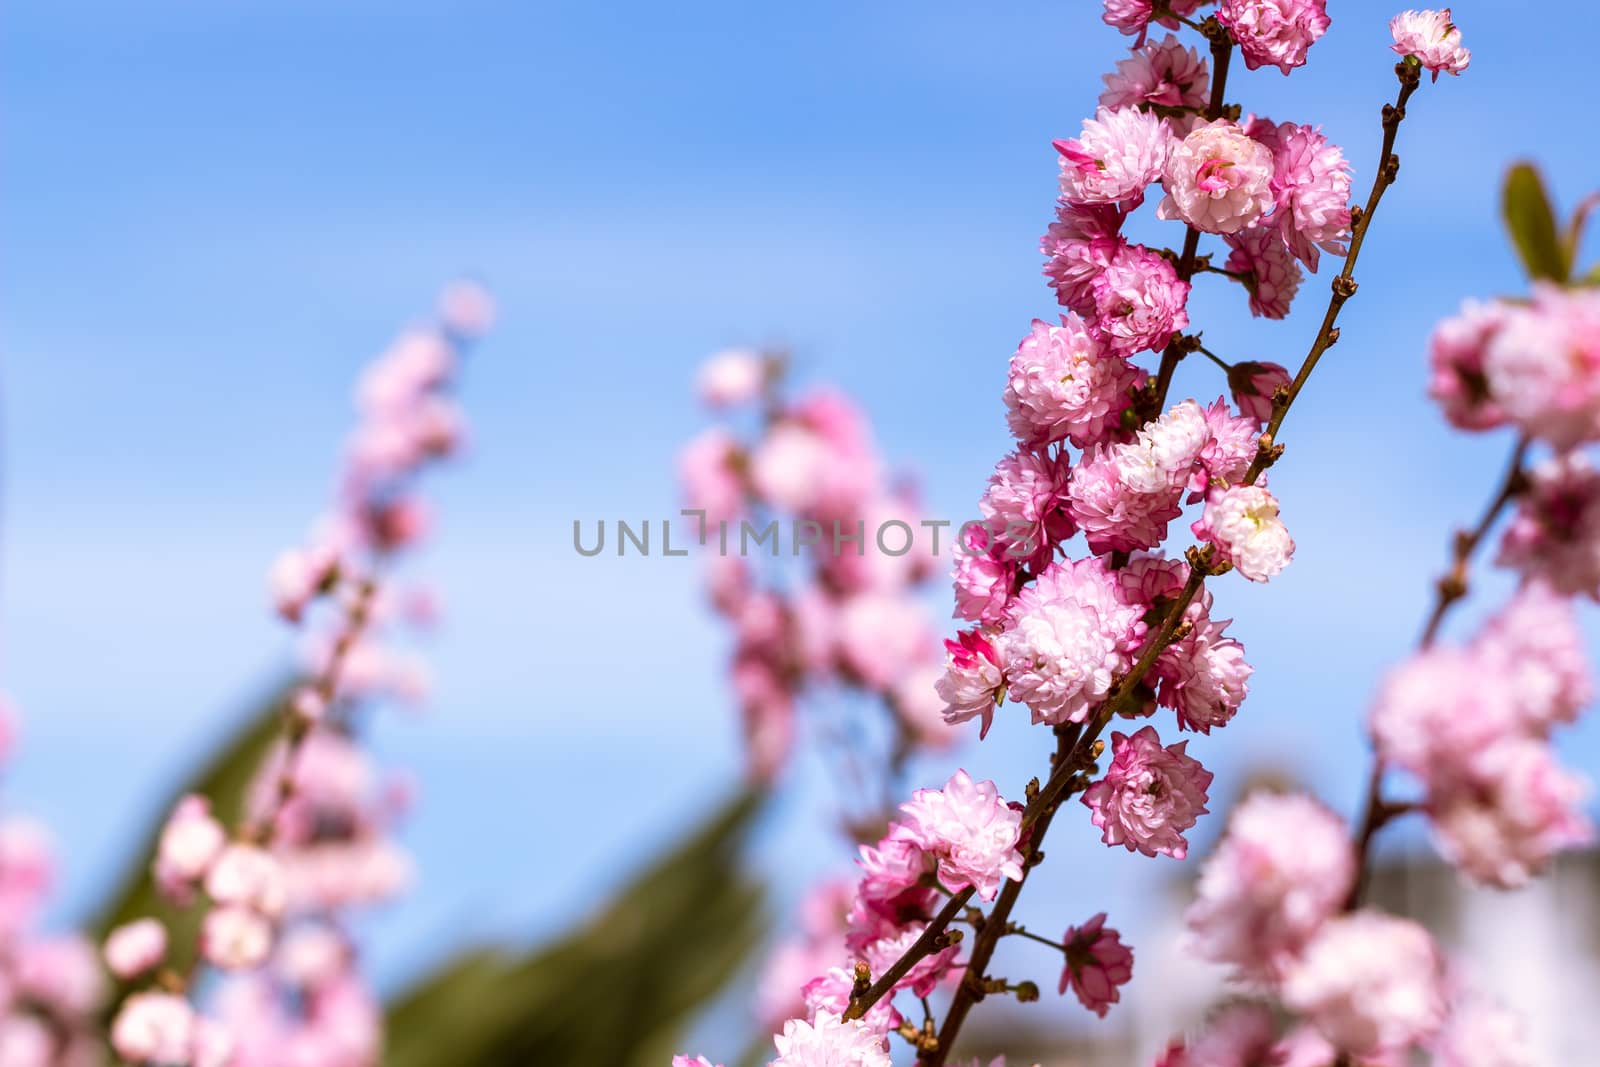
x,y
1225,458
985,577
1139,301
1065,385
1134,16
1123,496
1252,385
1242,524
1065,639
1203,677
1274,33
1432,38
1024,507
928,972
709,469
1370,982
1077,247
1273,275
1149,795
968,830
972,680
1310,188
1456,354
1116,157
1097,964
1218,179
1555,535
1164,73
1282,868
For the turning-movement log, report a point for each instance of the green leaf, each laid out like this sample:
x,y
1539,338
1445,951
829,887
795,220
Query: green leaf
x,y
617,990
223,778
1532,224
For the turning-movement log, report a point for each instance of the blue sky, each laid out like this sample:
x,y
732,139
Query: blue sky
x,y
213,215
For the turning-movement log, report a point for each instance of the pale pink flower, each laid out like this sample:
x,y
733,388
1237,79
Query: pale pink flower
x,y
1509,827
1116,157
1441,715
235,938
1064,384
1164,73
1123,496
248,876
1203,677
829,1041
925,976
1456,355
466,309
1282,868
1242,523
1432,38
154,1028
968,830
1218,179
1023,507
1543,365
213,1045
972,679
1534,642
1067,636
298,576
917,706
61,974
708,467
1240,1035
136,947
698,1061
27,1041
1097,963
731,378
985,578
1273,274
1555,534
1149,795
1077,247
882,635
831,991
890,889
1275,33
1134,16
1253,385
190,842
1482,1033
1139,301
1370,982
1310,188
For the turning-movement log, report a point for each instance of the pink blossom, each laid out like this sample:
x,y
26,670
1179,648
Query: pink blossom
x,y
1242,523
1555,535
1273,275
1064,384
1139,301
1097,963
917,706
1218,179
882,635
1225,458
1432,38
925,976
968,830
1482,1033
60,974
466,309
972,679
1275,33
698,1061
1310,188
709,469
1022,506
298,576
1203,677
1442,716
1119,153
235,938
984,576
1240,1035
1134,16
889,890
1164,73
1282,868
136,947
1123,496
731,378
831,991
1507,828
1066,638
1253,385
1370,982
829,1041
1457,353
154,1028
1535,643
1077,247
1543,365
248,876
190,842
1149,795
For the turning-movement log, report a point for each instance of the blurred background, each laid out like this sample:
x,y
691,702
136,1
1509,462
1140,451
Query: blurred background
x,y
214,215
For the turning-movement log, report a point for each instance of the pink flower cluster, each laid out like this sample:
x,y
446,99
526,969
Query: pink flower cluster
x,y
277,889
850,614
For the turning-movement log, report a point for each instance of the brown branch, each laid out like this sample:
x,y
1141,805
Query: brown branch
x,y
935,938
